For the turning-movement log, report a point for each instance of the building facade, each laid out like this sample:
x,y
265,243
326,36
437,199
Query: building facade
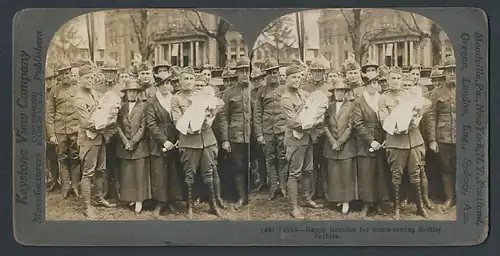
x,y
388,38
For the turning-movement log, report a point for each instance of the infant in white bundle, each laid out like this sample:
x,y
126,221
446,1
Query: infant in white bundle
x,y
106,112
203,110
408,113
313,112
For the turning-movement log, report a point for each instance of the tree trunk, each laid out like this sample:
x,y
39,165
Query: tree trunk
x,y
222,47
436,44
143,41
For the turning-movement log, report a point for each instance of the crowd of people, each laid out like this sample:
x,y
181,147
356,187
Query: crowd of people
x,y
167,135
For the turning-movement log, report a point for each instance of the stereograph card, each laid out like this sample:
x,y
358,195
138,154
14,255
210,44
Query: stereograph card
x,y
353,126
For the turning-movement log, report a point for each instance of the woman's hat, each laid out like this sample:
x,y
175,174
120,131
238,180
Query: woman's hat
x,y
132,84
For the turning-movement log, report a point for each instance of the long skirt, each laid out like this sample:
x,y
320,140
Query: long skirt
x,y
342,180
373,179
135,182
166,183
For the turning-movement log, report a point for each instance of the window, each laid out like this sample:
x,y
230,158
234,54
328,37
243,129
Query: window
x,y
346,54
259,55
132,40
132,55
242,50
101,53
266,54
346,39
114,55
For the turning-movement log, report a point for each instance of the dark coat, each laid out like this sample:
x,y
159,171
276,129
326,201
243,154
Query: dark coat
x,y
268,115
236,119
443,115
160,125
292,105
367,126
85,103
338,128
132,128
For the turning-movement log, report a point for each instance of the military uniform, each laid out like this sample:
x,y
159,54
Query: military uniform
x,y
405,150
62,123
198,151
269,122
147,83
318,179
51,166
442,130
236,126
258,157
299,152
92,150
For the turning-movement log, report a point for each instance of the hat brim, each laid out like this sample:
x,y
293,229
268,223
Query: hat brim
x,y
64,68
369,66
450,66
131,89
272,68
241,67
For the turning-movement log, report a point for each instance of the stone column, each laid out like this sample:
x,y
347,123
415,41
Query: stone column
x,y
191,54
412,52
384,49
405,57
181,55
395,54
198,53
157,54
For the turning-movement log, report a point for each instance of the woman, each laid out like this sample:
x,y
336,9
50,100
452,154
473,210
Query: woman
x,y
371,161
133,149
165,164
340,152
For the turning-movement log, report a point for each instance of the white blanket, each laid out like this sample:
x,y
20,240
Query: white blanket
x,y
408,111
202,110
105,113
313,112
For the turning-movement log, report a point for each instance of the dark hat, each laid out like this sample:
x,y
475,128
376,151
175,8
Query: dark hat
x,y
256,73
350,64
227,73
293,70
162,63
188,70
316,65
383,72
368,64
49,73
63,66
271,64
132,84
143,66
449,62
340,84
175,72
243,63
396,70
436,72
85,70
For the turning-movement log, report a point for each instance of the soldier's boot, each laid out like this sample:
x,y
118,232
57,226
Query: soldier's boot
x,y
424,183
305,183
273,182
293,197
364,211
397,204
99,186
212,200
105,185
65,180
241,189
75,179
420,202
217,191
448,190
189,201
282,176
86,186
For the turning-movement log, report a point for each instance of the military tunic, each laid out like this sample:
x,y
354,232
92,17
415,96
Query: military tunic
x,y
270,123
404,150
236,125
198,151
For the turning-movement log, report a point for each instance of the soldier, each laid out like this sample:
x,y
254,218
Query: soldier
x,y
92,150
331,75
352,73
198,151
62,128
236,126
269,126
161,70
383,72
112,185
282,71
318,83
438,78
258,163
75,67
442,129
415,72
50,153
299,152
369,69
145,76
175,72
405,149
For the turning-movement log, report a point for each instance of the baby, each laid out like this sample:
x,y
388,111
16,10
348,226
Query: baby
x,y
313,112
106,112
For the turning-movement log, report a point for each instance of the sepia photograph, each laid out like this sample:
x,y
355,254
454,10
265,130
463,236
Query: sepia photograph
x,y
169,114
